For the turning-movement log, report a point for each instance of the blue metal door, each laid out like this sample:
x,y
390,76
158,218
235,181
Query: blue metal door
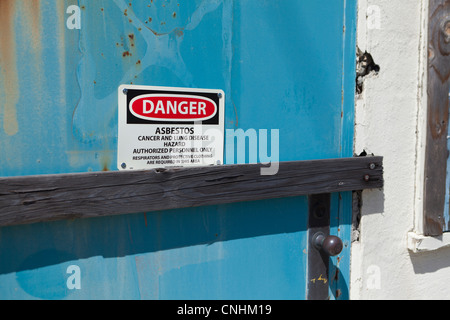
x,y
284,65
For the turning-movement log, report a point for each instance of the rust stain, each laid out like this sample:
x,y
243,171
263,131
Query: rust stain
x,y
156,33
179,32
105,162
131,37
30,12
33,13
60,7
8,67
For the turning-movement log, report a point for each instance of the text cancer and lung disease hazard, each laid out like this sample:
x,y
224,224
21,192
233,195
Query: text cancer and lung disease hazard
x,y
170,127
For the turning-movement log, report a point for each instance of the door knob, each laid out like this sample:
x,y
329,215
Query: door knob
x,y
331,245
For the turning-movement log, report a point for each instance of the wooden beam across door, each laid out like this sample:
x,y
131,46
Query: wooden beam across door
x,y
25,200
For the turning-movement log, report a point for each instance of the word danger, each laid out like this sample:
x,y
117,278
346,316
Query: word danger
x,y
173,108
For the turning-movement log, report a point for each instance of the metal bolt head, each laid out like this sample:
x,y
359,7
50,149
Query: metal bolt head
x,y
366,178
220,95
372,166
124,165
125,91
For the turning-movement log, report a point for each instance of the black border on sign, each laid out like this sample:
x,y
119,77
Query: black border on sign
x,y
133,93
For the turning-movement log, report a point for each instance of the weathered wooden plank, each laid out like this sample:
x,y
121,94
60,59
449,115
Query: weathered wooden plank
x,y
438,117
43,198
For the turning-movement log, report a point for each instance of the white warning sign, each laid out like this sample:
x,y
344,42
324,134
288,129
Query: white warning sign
x,y
162,127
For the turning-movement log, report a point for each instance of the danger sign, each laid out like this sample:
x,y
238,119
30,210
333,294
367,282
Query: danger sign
x,y
169,127
173,108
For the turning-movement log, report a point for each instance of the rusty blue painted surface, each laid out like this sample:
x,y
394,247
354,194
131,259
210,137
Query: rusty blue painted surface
x,y
285,65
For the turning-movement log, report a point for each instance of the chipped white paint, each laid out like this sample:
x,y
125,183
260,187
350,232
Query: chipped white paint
x,y
390,121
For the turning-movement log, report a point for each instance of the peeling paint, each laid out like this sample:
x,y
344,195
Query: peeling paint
x,y
73,74
163,50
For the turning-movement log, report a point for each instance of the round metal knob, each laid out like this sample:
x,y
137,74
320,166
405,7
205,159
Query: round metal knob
x,y
331,245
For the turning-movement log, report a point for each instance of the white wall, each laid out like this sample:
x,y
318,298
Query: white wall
x,y
390,121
